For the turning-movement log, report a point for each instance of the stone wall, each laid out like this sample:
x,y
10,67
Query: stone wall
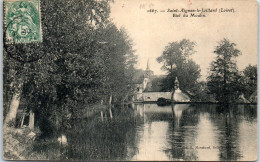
x,y
153,96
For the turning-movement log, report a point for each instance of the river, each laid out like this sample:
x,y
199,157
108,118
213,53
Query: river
x,y
175,132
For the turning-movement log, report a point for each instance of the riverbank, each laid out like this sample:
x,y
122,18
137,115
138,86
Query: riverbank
x,y
24,144
18,144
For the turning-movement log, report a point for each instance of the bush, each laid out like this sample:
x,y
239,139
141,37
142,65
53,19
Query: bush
x,y
18,145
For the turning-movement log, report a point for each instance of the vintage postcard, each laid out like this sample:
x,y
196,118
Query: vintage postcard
x,y
130,80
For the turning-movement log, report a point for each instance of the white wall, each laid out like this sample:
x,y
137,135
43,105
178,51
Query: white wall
x,y
153,96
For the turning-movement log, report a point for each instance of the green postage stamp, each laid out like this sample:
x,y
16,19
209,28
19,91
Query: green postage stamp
x,y
22,21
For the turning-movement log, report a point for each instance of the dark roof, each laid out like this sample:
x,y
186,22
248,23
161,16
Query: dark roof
x,y
155,84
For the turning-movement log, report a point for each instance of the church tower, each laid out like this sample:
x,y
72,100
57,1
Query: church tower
x,y
148,73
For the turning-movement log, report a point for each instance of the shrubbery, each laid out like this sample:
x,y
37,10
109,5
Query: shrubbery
x,y
18,145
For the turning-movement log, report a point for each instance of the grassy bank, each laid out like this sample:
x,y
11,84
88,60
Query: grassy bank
x,y
18,144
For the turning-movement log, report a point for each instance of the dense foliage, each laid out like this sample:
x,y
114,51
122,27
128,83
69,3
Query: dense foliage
x,y
83,59
250,81
224,80
176,62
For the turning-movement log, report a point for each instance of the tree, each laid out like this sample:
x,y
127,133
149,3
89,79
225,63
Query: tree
x,y
176,62
84,57
118,61
224,80
250,80
59,30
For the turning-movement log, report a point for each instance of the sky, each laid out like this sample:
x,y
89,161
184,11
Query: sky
x,y
151,32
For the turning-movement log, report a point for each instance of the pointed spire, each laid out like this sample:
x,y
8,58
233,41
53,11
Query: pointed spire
x,y
148,65
148,71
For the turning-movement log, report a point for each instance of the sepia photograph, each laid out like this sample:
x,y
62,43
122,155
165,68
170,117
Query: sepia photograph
x,y
130,80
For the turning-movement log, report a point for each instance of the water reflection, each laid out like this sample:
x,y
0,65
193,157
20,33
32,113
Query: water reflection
x,y
175,132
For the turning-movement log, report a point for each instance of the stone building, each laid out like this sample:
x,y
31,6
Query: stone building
x,y
149,87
